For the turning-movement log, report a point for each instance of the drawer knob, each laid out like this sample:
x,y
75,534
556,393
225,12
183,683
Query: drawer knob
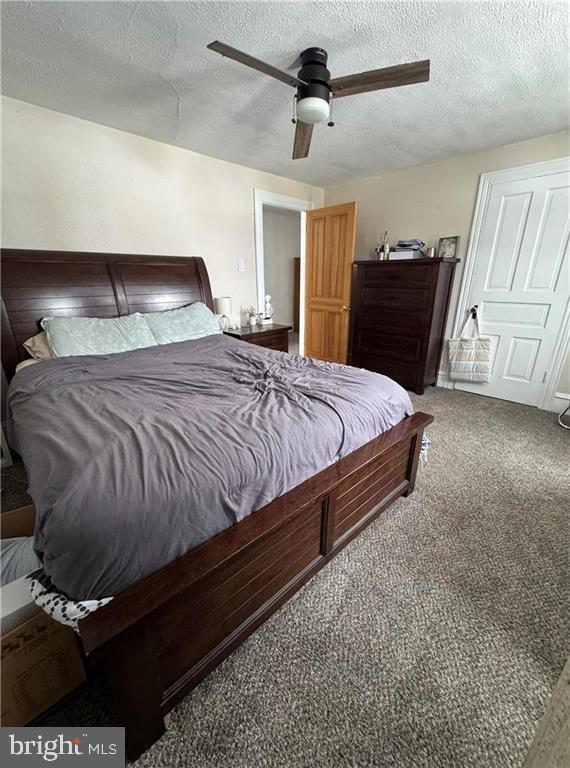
x,y
344,309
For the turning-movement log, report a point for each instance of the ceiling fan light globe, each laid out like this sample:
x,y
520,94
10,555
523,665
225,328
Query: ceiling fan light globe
x,y
312,109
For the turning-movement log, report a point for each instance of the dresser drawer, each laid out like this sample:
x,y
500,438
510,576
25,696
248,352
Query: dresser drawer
x,y
392,297
278,341
406,374
398,275
388,346
378,319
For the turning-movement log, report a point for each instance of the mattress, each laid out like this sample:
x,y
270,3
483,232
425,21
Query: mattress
x,y
134,459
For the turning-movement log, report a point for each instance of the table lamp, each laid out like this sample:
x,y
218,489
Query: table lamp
x,y
223,307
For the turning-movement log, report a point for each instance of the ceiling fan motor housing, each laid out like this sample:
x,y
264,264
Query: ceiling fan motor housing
x,y
310,97
314,72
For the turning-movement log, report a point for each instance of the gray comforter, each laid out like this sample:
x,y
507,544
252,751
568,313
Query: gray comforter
x,y
133,459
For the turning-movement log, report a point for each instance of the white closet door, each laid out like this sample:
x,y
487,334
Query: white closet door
x,y
521,282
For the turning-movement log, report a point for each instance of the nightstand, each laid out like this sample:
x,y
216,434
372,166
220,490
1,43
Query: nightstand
x,y
271,336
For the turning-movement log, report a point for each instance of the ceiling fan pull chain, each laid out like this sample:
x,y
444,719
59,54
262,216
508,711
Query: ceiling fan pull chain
x,y
331,122
294,119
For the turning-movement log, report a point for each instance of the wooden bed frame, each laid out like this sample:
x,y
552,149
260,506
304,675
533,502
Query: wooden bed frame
x,y
159,638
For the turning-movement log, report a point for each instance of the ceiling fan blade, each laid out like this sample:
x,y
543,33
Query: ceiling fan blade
x,y
303,134
377,79
250,61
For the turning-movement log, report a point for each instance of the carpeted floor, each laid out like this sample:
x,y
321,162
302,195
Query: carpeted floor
x,y
433,640
14,487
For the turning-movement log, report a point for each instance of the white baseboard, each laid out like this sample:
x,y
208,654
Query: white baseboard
x,y
558,402
443,380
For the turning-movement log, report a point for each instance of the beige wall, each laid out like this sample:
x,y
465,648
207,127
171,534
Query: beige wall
x,y
281,240
75,185
432,201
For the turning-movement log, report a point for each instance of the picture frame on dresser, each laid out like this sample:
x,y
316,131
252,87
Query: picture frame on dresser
x,y
448,247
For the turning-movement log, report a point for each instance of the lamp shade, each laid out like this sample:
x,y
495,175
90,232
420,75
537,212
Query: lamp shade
x,y
312,109
223,305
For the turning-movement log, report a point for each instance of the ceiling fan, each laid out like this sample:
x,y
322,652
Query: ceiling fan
x,y
315,89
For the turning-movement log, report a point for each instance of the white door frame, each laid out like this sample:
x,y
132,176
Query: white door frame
x,y
261,198
520,173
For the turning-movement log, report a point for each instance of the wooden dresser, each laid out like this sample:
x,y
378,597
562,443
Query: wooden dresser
x,y
398,314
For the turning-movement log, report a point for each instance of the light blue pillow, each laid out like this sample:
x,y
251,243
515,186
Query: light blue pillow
x,y
97,336
191,322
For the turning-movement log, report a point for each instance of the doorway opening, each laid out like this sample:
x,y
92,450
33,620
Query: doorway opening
x,y
280,223
282,266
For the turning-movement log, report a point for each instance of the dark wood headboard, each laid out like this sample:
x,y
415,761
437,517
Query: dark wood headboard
x,y
38,284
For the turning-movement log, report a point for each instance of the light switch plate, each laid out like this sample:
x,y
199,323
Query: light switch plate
x,y
241,265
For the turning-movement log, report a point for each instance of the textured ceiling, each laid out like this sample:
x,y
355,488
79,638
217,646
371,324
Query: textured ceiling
x,y
499,75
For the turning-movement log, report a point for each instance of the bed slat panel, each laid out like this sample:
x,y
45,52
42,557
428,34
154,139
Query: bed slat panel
x,y
65,304
246,566
373,496
214,614
367,477
159,288
369,471
55,291
50,273
147,273
209,637
160,306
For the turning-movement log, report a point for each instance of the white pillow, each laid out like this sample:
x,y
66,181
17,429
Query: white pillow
x,y
97,336
191,322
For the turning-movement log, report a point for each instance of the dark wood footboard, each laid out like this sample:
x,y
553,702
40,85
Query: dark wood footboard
x,y
159,638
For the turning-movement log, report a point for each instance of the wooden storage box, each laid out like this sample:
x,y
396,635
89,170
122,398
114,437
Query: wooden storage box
x,y
40,657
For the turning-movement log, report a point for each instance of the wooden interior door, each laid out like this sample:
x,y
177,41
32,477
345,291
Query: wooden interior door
x,y
330,253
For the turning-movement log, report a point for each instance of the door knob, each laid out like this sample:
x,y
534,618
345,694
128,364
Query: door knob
x,y
345,308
